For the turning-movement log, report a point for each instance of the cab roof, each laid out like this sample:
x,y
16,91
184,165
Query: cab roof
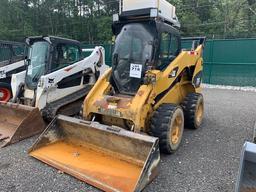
x,y
51,40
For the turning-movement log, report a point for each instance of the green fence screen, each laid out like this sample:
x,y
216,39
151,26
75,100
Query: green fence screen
x,y
230,62
226,62
11,50
108,51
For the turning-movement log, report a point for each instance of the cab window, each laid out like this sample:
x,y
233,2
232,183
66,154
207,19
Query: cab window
x,y
137,49
164,47
174,46
169,49
65,55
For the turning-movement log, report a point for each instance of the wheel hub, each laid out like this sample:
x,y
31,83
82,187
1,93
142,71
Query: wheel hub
x,y
176,130
199,113
5,94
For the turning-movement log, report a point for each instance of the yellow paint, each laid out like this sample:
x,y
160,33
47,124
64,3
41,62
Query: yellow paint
x,y
90,163
144,102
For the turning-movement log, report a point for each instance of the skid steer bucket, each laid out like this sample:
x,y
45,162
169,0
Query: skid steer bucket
x,y
109,158
18,122
247,173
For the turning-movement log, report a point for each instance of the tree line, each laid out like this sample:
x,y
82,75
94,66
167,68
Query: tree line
x,y
90,20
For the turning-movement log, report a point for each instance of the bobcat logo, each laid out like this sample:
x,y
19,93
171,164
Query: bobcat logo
x,y
50,81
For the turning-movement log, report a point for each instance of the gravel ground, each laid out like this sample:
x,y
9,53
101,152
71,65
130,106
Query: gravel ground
x,y
207,160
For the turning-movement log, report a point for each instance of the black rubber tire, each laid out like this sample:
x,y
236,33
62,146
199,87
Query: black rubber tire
x,y
160,126
190,106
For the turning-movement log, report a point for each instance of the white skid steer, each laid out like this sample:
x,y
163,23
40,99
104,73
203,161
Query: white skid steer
x,y
56,80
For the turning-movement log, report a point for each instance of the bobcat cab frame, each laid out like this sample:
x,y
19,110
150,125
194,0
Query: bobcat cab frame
x,y
55,69
137,107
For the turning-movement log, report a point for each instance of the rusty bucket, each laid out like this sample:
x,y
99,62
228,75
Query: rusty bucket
x,y
18,122
109,158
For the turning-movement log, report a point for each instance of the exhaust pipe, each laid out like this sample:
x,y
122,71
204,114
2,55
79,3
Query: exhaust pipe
x,y
18,122
109,158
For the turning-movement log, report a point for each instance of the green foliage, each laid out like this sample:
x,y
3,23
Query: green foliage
x,y
90,20
217,18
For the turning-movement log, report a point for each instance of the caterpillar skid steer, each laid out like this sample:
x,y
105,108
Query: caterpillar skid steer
x,y
12,55
136,109
56,80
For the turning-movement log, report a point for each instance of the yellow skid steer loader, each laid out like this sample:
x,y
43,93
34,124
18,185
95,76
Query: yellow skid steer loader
x,y
136,109
55,81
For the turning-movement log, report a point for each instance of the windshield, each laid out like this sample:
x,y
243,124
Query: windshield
x,y
38,54
133,49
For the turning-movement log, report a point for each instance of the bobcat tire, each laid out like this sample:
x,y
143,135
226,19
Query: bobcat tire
x,y
5,92
167,124
193,107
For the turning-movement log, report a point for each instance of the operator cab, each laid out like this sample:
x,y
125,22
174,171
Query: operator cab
x,y
142,43
49,54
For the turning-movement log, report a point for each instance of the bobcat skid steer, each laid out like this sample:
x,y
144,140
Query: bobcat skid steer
x,y
136,109
55,81
12,55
